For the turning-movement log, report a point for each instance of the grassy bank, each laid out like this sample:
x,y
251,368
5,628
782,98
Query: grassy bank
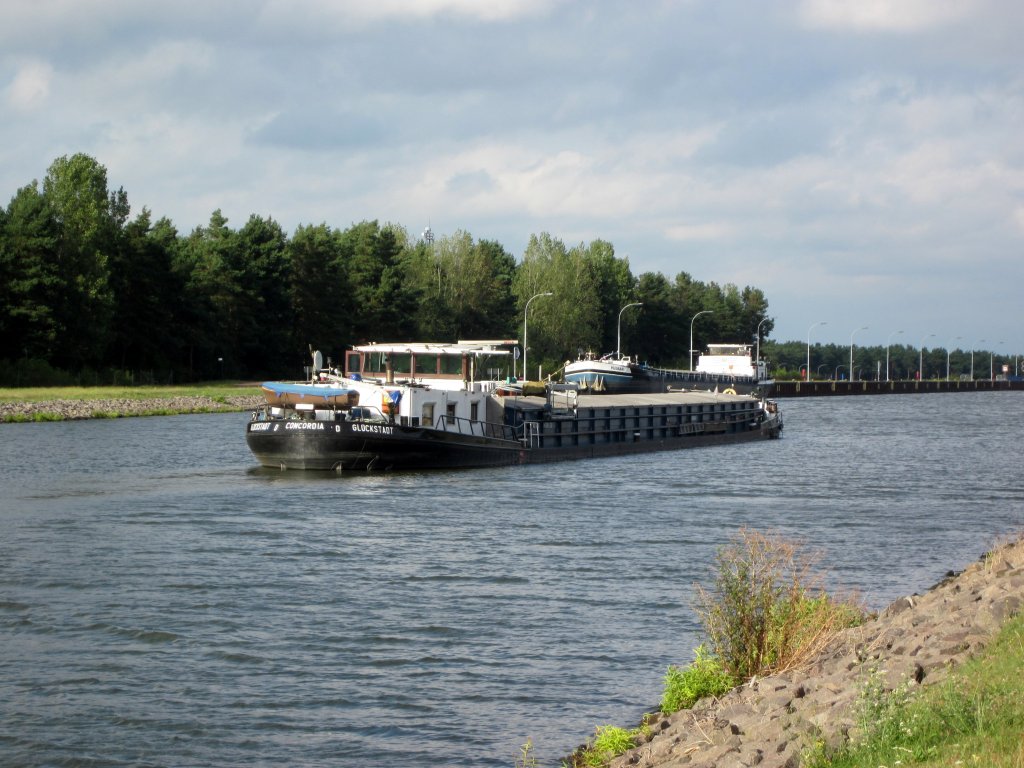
x,y
214,390
974,718
69,403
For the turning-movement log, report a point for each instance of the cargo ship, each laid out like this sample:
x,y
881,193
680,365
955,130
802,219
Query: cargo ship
x,y
432,406
726,367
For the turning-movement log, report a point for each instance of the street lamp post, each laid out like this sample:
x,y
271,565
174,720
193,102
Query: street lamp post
x,y
820,367
991,363
887,342
862,328
821,322
526,311
757,357
980,341
835,376
702,312
618,329
920,358
948,349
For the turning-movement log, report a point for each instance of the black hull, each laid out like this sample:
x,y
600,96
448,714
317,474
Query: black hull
x,y
343,446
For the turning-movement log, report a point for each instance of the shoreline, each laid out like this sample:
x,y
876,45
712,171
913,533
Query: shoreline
x,y
122,407
916,641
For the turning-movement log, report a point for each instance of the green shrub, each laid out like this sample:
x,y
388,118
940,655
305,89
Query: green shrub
x,y
609,741
766,611
685,686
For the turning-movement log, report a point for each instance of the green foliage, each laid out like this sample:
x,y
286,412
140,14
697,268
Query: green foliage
x,y
609,741
464,286
526,757
685,686
788,360
83,286
766,612
974,718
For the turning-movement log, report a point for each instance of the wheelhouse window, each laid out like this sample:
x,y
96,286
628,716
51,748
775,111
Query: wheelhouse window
x,y
450,413
451,365
375,362
426,364
401,363
428,414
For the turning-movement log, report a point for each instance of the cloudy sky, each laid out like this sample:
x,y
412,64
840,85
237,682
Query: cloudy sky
x,y
861,161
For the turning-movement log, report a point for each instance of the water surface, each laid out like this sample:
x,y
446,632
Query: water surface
x,y
163,601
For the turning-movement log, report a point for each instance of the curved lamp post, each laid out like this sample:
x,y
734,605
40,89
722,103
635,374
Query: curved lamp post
x,y
702,312
920,358
525,311
822,322
835,376
757,357
862,328
887,342
618,329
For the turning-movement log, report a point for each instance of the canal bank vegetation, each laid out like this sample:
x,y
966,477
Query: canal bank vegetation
x,y
897,362
219,391
973,718
64,403
969,630
765,612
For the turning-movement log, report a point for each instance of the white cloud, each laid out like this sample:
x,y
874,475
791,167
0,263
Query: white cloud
x,y
687,232
358,13
30,87
884,15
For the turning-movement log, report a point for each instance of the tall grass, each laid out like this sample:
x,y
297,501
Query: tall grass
x,y
767,610
973,718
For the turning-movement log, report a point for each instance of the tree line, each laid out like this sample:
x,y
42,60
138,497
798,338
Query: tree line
x,y
904,362
89,294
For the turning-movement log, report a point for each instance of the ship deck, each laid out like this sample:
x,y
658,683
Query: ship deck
x,y
685,398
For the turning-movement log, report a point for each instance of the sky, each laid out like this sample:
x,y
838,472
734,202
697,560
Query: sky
x,y
861,161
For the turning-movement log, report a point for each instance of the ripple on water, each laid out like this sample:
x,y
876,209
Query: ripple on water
x,y
166,602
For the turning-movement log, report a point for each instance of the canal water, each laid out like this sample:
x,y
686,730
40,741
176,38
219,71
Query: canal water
x,y
163,602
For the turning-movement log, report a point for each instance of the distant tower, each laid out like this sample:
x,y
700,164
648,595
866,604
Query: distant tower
x,y
428,236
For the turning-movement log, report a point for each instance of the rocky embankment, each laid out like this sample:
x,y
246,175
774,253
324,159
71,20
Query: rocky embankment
x,y
916,641
91,409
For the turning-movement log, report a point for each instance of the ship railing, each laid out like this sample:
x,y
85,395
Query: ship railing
x,y
464,426
706,377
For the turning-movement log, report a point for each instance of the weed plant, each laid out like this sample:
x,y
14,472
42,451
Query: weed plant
x,y
685,686
609,742
766,611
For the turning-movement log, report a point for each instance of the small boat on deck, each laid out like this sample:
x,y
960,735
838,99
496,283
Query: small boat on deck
x,y
313,394
429,406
